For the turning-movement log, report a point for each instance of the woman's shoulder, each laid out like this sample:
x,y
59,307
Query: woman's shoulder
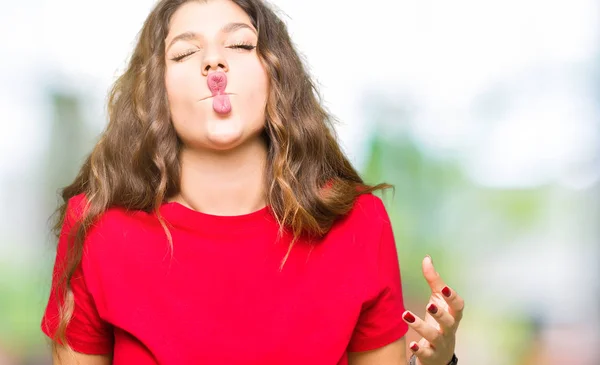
x,y
78,205
369,207
367,217
357,235
114,222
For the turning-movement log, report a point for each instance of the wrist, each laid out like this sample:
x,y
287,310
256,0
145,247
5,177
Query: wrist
x,y
415,361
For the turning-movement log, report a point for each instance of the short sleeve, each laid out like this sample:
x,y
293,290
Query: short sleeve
x,y
86,332
380,322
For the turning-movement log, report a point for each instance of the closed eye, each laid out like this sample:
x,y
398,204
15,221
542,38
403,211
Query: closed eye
x,y
247,47
182,56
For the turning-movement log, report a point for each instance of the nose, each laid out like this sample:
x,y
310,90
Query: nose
x,y
214,61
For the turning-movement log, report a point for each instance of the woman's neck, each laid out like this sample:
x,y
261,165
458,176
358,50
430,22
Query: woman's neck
x,y
224,182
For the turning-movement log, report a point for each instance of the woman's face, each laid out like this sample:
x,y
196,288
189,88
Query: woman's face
x,y
205,38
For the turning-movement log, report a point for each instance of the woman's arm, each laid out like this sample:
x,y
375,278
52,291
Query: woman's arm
x,y
392,354
62,356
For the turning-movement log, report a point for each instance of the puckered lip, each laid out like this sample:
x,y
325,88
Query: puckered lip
x,y
212,96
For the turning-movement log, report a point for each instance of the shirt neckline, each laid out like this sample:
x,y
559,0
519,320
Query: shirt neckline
x,y
179,215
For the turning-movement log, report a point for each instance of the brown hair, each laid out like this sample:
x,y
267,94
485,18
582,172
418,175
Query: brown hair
x,y
135,164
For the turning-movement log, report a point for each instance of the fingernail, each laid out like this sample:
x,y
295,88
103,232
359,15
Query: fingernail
x,y
408,317
446,291
414,347
430,259
432,308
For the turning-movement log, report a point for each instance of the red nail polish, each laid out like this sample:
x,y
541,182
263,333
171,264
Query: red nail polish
x,y
414,347
446,291
432,308
408,317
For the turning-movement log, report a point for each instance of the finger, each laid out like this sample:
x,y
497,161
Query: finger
x,y
445,319
435,281
421,352
456,304
423,328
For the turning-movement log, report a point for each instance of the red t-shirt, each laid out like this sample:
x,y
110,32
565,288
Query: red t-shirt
x,y
221,297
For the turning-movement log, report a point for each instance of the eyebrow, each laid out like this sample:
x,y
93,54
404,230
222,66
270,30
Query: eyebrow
x,y
227,28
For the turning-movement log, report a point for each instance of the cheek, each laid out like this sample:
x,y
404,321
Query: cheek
x,y
182,84
256,83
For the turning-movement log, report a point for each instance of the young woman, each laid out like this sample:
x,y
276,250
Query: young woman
x,y
217,220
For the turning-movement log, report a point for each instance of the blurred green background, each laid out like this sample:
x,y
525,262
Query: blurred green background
x,y
485,117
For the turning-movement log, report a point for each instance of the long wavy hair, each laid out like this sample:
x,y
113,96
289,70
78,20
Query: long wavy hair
x,y
135,164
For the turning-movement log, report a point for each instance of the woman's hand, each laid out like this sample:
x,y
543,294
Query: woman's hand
x,y
443,314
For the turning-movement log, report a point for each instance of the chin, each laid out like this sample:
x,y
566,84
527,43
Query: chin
x,y
223,143
224,134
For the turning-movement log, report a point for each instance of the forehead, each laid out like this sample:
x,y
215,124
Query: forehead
x,y
206,17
